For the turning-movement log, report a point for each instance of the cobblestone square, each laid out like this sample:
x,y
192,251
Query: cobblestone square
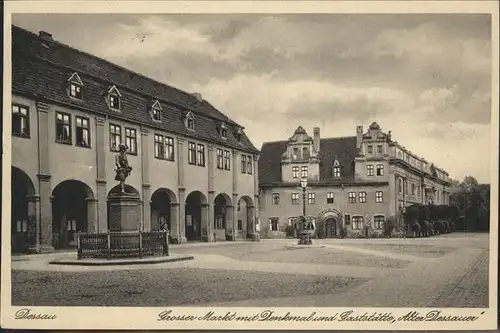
x,y
445,271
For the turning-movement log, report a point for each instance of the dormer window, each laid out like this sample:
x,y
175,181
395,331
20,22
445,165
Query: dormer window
x,y
114,97
336,169
189,121
238,134
75,86
223,131
156,111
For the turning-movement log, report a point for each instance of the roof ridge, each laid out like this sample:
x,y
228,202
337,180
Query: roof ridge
x,y
184,93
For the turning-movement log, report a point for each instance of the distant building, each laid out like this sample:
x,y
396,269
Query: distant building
x,y
193,167
354,181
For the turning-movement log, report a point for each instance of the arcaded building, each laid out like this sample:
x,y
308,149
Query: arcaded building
x,y
193,167
356,181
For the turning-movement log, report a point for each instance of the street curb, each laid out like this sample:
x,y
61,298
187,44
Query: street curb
x,y
116,262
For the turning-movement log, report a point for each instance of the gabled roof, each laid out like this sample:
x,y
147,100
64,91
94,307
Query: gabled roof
x,y
43,71
342,149
75,78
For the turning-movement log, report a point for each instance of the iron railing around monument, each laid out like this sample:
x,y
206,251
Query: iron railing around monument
x,y
122,245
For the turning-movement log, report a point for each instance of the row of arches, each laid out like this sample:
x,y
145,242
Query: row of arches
x,y
73,204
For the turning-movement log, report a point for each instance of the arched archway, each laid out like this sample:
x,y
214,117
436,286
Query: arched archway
x,y
196,215
70,212
223,215
246,222
162,201
329,223
23,211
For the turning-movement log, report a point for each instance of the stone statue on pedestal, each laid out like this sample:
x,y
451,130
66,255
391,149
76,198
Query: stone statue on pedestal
x,y
123,170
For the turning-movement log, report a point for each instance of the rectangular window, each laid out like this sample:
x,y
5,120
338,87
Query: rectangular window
x,y
311,198
305,152
243,164
295,198
303,172
407,190
412,189
357,222
156,114
249,165
220,158
336,172
191,153
82,132
379,149
378,221
114,101
63,127
274,223
369,170
362,197
115,137
295,172
418,191
190,123
370,149
20,121
227,160
276,198
352,197
347,219
400,186
379,196
75,90
169,148
131,140
201,154
329,198
380,169
240,225
159,146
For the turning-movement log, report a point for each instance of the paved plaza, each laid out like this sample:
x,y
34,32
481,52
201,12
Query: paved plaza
x,y
442,271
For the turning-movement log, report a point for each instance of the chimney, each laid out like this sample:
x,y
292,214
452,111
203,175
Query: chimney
x,y
316,138
359,136
45,35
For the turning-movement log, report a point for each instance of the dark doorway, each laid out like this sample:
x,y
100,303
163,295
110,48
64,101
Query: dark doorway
x,y
69,212
194,205
330,228
220,216
23,226
160,210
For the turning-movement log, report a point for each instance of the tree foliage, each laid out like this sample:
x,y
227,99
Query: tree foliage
x,y
473,205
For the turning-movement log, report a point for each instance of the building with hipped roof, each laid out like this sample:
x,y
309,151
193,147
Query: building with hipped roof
x,y
355,182
194,168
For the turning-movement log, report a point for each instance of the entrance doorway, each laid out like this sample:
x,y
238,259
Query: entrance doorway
x,y
23,227
196,204
69,212
330,228
161,207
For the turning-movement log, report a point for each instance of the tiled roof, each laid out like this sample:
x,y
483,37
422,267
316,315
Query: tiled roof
x,y
42,67
342,149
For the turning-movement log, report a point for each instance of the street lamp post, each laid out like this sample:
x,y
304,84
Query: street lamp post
x,y
303,184
304,236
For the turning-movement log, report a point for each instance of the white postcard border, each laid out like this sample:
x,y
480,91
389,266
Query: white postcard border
x,y
147,318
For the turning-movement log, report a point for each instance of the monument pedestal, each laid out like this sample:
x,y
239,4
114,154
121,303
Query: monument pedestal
x,y
124,212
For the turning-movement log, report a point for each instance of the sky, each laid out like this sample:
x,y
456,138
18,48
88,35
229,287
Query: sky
x,y
425,77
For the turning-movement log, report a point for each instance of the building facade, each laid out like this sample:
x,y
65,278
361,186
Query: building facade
x,y
193,167
356,182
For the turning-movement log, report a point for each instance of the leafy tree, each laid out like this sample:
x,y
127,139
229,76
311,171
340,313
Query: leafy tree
x,y
472,200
